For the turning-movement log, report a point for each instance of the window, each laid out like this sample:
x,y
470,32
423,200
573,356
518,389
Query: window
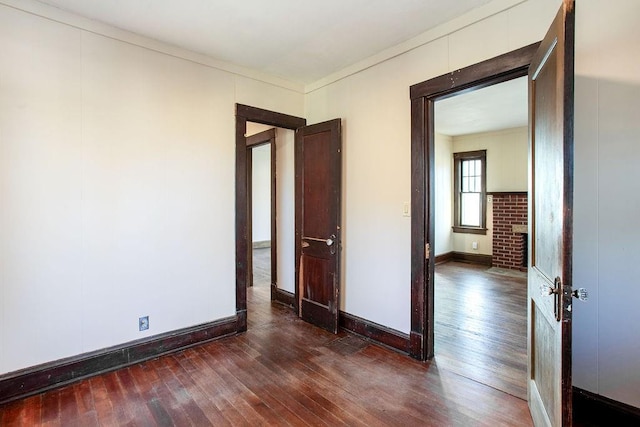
x,y
470,192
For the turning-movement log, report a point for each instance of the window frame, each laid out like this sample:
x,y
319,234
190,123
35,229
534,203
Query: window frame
x,y
458,158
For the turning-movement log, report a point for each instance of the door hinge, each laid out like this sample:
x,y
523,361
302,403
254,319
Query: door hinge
x,y
427,251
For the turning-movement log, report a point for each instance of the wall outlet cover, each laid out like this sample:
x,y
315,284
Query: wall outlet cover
x,y
143,323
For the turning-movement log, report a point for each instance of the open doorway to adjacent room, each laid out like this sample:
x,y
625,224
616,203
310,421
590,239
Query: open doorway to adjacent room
x,y
481,183
270,178
261,164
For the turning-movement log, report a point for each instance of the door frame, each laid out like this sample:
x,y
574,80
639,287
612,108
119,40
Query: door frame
x,y
244,114
254,141
423,95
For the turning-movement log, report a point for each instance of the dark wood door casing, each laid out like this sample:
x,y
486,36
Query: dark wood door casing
x,y
244,114
423,96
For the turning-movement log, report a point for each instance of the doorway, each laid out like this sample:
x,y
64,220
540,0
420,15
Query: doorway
x,y
423,97
270,166
244,115
261,198
317,164
480,311
549,66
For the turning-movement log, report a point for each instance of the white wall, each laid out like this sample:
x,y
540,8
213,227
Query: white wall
x,y
507,160
444,194
507,157
606,339
261,193
463,242
375,108
285,196
116,188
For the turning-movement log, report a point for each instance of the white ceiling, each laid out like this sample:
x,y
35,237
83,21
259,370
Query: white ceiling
x,y
492,108
298,40
303,41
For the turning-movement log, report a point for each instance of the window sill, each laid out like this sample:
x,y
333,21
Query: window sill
x,y
470,230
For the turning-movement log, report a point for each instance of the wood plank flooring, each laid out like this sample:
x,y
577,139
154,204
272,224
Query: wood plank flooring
x,y
282,371
481,325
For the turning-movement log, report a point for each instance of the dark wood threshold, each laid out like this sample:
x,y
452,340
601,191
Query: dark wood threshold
x,y
40,378
282,296
375,332
479,259
593,409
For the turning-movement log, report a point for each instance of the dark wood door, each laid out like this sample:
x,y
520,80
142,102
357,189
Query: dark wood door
x,y
318,202
551,191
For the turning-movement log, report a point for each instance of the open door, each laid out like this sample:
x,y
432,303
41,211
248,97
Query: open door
x,y
318,204
551,212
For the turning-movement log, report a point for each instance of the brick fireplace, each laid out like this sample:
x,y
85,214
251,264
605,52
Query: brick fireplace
x,y
510,230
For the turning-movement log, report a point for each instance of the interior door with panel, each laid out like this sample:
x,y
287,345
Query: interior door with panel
x,y
318,181
551,213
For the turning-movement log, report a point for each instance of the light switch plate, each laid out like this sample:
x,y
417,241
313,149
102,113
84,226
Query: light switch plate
x,y
406,209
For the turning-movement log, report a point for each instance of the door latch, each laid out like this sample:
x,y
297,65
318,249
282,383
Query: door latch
x,y
562,297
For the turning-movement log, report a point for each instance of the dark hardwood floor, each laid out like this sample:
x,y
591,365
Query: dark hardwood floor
x,y
481,325
282,371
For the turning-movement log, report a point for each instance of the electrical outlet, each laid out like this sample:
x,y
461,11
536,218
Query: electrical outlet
x,y
143,323
474,246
